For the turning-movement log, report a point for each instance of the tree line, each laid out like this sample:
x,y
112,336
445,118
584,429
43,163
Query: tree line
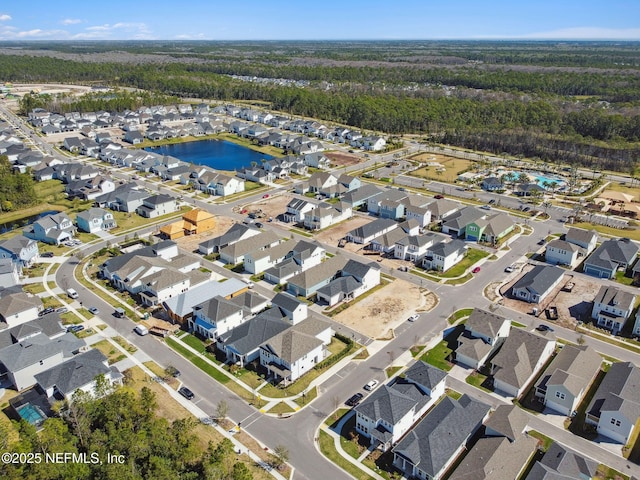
x,y
17,190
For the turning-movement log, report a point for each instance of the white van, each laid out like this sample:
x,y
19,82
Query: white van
x,y
72,293
141,330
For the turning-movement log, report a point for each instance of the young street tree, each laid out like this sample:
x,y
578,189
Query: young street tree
x,y
222,409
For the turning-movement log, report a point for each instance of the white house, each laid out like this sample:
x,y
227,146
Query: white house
x,y
484,333
561,252
95,220
354,279
216,317
612,307
18,307
444,255
157,205
53,229
21,250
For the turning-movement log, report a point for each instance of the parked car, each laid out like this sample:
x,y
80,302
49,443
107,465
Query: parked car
x,y
186,393
75,328
544,328
371,385
542,241
354,399
259,225
413,317
438,197
476,270
266,195
492,201
509,269
46,311
94,310
141,330
62,310
47,255
486,207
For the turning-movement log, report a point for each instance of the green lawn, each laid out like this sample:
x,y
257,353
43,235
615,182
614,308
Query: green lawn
x,y
391,371
438,355
281,408
455,316
477,379
623,279
308,397
328,449
544,440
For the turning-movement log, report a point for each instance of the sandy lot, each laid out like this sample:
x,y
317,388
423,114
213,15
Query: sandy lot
x,y
271,207
339,159
333,234
378,314
572,306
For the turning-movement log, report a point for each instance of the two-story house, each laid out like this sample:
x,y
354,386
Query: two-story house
x,y
53,229
484,333
444,255
612,307
21,250
95,220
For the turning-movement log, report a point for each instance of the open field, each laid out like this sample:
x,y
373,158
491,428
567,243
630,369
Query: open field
x,y
340,159
448,171
385,309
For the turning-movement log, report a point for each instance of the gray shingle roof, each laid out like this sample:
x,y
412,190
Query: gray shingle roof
x,y
217,308
75,372
250,335
612,253
484,323
424,374
516,360
390,403
507,420
574,367
619,391
580,237
373,228
286,301
615,296
39,347
16,244
318,273
539,279
560,463
430,445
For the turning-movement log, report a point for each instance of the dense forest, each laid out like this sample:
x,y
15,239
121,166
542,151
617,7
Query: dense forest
x,y
579,102
121,423
17,190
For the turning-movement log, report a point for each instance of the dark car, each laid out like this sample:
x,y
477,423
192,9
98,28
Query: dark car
x,y
186,393
354,400
75,328
46,311
47,255
438,197
259,225
476,270
544,328
492,201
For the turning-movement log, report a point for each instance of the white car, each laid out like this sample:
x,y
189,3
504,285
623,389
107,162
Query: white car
x,y
371,385
413,317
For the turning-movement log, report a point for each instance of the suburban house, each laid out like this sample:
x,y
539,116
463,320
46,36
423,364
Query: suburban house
x,y
419,213
369,231
561,252
18,306
125,198
489,229
423,453
444,255
390,201
496,457
297,209
80,372
559,462
414,247
612,255
301,257
235,252
484,333
53,229
310,281
391,410
259,260
193,222
537,283
321,183
519,360
21,250
615,407
386,243
491,184
506,421
567,379
442,208
354,279
587,239
293,352
612,307
360,196
237,232
34,353
89,189
179,308
157,205
456,223
216,316
324,215
95,220
9,273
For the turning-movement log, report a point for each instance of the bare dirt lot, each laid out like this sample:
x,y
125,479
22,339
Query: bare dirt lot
x,y
339,159
385,309
333,234
572,306
271,207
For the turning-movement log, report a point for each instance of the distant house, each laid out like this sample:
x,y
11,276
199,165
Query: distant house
x,y
17,306
610,257
134,137
484,333
567,379
216,316
369,231
491,184
235,252
536,284
310,281
423,453
442,208
297,210
414,247
21,250
324,215
9,273
519,360
193,222
157,205
615,407
237,232
78,373
389,412
95,220
528,189
561,252
489,229
612,307
53,229
456,223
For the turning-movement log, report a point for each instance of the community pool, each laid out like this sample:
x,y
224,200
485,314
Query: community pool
x,y
541,179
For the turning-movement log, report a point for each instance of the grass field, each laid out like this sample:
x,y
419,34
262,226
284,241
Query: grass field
x,y
451,167
633,234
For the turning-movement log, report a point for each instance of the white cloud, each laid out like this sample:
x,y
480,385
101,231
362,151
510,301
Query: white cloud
x,y
588,33
71,21
4,17
120,30
187,36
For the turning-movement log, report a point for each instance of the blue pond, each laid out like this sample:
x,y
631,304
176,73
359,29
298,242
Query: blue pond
x,y
218,154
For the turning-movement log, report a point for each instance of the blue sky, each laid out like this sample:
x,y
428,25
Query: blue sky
x,y
321,20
